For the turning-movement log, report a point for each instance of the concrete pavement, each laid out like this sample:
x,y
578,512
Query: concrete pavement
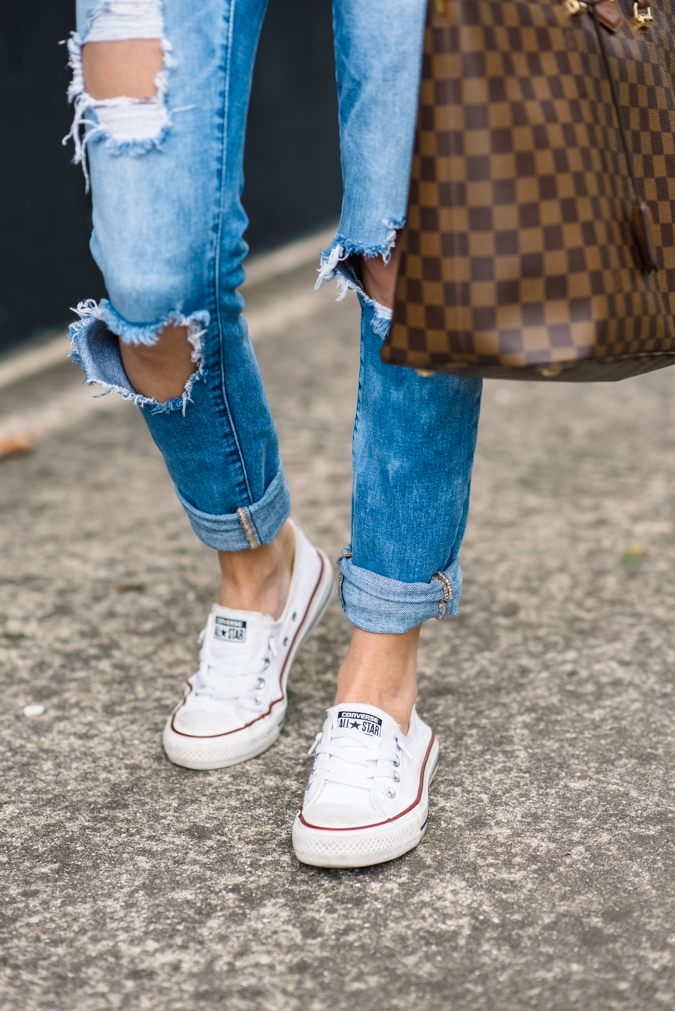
x,y
546,879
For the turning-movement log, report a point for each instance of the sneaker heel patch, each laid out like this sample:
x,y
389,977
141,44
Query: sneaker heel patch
x,y
230,629
365,722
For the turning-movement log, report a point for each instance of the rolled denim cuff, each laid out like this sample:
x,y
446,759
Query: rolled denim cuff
x,y
250,526
378,604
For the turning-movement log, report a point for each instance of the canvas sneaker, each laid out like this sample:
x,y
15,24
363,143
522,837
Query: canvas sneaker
x,y
235,704
367,797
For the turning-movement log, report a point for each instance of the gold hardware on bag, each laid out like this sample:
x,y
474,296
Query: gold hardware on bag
x,y
642,20
573,6
551,371
425,373
440,6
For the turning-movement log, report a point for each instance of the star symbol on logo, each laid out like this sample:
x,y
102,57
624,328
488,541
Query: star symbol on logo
x,y
355,724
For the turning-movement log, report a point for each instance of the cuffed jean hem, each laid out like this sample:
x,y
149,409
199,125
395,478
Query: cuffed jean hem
x,y
249,526
378,604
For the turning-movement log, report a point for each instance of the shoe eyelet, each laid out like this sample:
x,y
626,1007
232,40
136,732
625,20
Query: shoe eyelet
x,y
398,746
257,700
286,641
397,778
294,615
396,762
260,683
267,662
391,793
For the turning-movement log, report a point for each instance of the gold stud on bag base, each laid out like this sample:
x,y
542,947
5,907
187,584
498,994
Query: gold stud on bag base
x,y
539,237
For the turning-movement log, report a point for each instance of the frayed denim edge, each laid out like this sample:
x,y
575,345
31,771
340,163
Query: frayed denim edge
x,y
93,314
333,264
83,102
347,280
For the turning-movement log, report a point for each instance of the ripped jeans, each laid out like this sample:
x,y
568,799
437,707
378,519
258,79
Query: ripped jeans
x,y
166,179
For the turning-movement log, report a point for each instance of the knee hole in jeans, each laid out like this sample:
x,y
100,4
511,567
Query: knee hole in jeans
x,y
119,79
122,68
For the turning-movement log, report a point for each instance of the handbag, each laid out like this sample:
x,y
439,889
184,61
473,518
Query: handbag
x,y
539,237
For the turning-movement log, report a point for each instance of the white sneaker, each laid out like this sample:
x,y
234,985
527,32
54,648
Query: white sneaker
x,y
367,797
235,704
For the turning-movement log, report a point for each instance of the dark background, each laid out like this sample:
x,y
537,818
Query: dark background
x,y
292,161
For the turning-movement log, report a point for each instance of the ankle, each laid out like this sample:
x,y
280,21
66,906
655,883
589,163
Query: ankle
x,y
258,579
381,670
397,705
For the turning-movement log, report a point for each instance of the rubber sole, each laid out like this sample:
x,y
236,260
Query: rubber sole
x,y
364,847
203,753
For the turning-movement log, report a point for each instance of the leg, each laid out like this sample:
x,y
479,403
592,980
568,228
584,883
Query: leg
x,y
378,101
414,440
257,578
381,668
168,236
253,579
378,106
413,446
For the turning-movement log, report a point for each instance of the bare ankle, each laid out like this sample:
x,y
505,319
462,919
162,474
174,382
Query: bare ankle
x,y
258,579
380,669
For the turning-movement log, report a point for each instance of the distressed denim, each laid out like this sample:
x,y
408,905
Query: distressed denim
x,y
166,179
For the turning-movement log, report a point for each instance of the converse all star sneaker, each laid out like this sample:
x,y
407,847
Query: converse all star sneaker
x,y
367,800
235,704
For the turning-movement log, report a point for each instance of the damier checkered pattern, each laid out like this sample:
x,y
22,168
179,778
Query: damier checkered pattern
x,y
518,254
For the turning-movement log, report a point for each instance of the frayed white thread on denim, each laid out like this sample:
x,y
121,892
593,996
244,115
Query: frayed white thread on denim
x,y
131,125
341,250
332,266
382,319
126,19
196,324
146,333
390,241
195,335
328,265
346,281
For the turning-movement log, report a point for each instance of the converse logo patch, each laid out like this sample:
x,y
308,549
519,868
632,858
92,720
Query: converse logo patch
x,y
230,629
364,722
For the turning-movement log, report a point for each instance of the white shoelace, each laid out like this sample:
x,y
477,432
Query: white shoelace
x,y
231,679
348,761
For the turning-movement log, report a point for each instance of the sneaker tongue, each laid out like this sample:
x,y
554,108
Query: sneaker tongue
x,y
360,722
230,632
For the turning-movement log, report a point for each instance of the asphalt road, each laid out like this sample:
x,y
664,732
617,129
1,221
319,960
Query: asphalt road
x,y
546,879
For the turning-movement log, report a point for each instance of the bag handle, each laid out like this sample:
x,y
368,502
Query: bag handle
x,y
607,13
643,223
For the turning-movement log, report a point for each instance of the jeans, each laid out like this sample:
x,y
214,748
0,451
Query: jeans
x,y
166,179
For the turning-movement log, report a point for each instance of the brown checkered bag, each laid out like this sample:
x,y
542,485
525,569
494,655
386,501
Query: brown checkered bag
x,y
529,252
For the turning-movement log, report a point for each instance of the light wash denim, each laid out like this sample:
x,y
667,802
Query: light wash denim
x,y
166,179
